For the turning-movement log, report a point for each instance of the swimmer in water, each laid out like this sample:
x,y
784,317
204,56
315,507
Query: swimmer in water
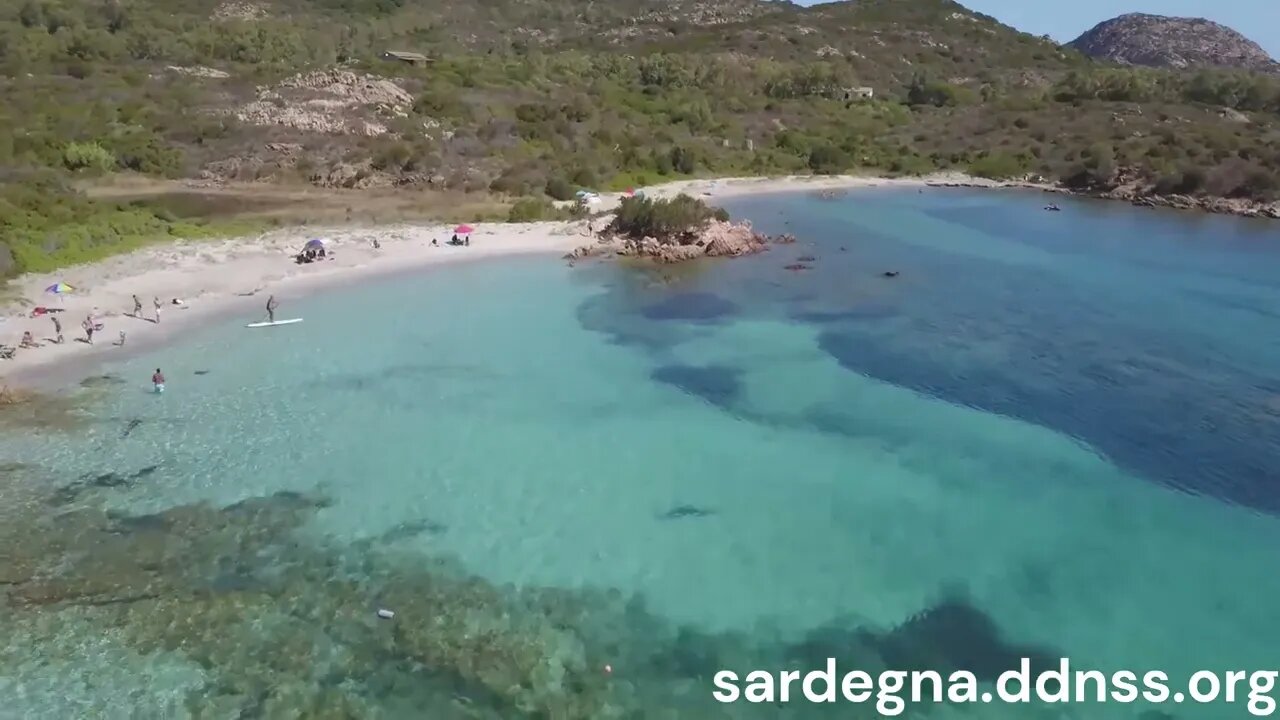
x,y
157,381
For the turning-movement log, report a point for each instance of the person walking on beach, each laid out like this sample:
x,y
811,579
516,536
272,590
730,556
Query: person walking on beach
x,y
88,329
271,309
137,307
156,302
57,328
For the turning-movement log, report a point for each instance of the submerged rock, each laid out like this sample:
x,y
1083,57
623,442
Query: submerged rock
x,y
70,493
686,511
694,306
717,384
130,427
282,623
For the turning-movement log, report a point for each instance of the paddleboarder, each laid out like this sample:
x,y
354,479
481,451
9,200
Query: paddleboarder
x,y
271,309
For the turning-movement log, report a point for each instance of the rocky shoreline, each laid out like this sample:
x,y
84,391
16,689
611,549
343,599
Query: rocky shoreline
x,y
717,239
1135,196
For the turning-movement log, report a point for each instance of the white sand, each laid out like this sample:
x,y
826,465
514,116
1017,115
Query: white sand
x,y
238,275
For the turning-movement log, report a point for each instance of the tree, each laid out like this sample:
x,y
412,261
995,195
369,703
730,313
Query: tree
x,y
674,220
682,161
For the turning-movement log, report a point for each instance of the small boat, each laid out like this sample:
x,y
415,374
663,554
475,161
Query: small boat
x,y
1052,208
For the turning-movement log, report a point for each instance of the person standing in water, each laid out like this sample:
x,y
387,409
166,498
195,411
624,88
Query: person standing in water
x,y
271,308
157,381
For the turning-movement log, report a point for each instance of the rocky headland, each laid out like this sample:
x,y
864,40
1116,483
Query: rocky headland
x,y
718,238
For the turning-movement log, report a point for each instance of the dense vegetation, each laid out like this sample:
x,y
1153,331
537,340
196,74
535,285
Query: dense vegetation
x,y
587,95
668,220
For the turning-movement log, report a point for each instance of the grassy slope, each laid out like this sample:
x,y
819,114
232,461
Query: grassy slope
x,y
586,94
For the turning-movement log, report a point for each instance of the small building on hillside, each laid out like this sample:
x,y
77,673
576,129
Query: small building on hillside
x,y
406,57
859,93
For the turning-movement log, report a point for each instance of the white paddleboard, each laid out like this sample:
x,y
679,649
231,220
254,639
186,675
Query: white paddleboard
x,y
290,321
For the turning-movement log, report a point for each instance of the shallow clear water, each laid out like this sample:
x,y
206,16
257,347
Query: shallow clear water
x,y
1051,434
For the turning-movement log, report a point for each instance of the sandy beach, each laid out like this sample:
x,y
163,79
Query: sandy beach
x,y
237,275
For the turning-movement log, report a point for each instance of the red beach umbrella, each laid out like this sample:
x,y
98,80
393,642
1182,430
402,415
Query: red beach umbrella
x,y
463,230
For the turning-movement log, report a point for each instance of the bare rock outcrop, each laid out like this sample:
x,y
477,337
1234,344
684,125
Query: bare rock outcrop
x,y
234,10
329,101
717,239
199,71
727,239
1174,42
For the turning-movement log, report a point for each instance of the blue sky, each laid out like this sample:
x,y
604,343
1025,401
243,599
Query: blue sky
x,y
1064,20
1259,20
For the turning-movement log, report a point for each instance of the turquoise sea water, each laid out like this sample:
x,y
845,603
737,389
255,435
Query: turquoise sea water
x,y
1050,435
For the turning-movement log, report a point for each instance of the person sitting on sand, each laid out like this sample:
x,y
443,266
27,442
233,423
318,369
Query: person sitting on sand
x,y
454,240
28,341
377,245
435,242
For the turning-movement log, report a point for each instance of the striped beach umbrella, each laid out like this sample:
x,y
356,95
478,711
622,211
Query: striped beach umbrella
x,y
60,288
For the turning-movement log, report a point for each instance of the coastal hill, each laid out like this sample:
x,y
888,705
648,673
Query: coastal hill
x,y
1172,42
522,102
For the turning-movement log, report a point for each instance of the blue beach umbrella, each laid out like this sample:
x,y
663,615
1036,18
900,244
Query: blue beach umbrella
x,y
315,243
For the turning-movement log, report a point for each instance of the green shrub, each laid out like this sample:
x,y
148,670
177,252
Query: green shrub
x,y
667,220
532,210
559,189
585,177
1186,182
392,157
88,156
827,159
998,166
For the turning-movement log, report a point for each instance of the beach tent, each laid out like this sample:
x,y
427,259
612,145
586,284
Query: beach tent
x,y
463,230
